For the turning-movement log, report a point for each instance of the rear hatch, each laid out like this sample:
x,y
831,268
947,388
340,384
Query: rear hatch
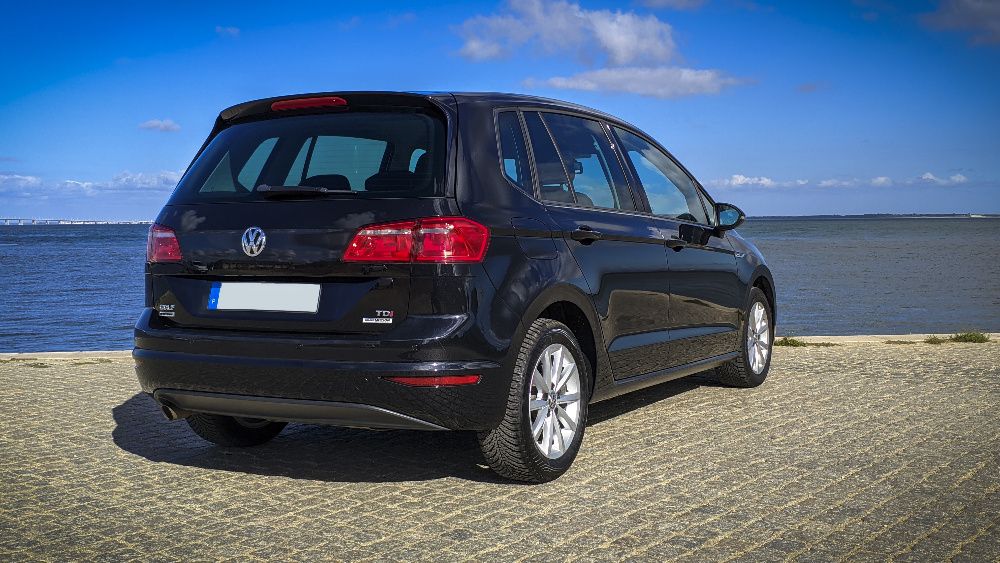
x,y
262,218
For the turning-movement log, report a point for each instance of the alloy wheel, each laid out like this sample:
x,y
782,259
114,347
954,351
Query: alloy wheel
x,y
758,337
554,401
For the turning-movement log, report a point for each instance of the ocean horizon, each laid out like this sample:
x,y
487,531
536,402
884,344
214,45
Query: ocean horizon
x,y
80,287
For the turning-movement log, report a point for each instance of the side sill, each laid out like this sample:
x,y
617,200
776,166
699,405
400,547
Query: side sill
x,y
655,378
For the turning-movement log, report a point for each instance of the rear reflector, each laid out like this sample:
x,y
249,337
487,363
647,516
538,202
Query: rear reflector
x,y
162,245
440,240
435,380
306,103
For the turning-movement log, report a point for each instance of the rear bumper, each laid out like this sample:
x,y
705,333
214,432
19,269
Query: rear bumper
x,y
322,380
291,410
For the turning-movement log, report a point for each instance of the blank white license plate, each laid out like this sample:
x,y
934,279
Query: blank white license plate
x,y
278,297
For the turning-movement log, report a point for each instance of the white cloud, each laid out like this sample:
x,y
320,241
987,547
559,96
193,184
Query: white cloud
x,y
739,180
674,4
980,17
618,37
881,181
227,31
952,180
657,82
165,125
123,183
18,181
631,51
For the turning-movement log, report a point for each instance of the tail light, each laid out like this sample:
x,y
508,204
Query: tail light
x,y
440,240
434,380
162,245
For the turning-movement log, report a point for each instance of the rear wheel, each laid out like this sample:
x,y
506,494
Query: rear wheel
x,y
234,431
750,368
546,415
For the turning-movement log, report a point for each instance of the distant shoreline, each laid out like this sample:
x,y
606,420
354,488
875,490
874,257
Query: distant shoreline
x,y
16,222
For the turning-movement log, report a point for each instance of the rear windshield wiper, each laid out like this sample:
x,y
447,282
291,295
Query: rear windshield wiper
x,y
278,191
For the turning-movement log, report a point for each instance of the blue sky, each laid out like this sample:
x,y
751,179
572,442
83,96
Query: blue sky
x,y
789,108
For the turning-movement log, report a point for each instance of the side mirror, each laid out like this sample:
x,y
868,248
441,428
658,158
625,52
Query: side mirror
x,y
729,215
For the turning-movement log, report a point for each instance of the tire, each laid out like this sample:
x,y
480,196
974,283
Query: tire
x,y
513,449
232,431
741,371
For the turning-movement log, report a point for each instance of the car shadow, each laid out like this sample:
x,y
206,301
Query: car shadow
x,y
327,453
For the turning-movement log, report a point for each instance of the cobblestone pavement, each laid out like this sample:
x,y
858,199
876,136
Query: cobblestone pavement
x,y
857,452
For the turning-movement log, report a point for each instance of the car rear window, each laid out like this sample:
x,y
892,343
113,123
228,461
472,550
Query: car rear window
x,y
373,154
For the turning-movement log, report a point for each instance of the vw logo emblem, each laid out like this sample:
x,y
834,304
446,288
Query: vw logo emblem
x,y
254,240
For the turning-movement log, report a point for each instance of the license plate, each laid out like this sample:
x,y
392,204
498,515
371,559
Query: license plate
x,y
276,297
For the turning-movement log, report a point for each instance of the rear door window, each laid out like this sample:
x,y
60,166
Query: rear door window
x,y
364,153
595,174
553,184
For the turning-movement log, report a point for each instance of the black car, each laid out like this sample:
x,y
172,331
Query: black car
x,y
440,261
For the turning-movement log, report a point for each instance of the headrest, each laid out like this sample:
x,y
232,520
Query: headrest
x,y
550,173
337,182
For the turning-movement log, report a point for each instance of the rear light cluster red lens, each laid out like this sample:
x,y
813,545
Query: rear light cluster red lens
x,y
435,380
307,103
440,240
162,245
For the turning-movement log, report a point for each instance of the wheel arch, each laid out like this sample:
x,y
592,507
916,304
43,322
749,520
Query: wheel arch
x,y
761,279
569,305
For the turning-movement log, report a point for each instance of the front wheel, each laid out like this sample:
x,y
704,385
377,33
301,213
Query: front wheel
x,y
546,415
750,367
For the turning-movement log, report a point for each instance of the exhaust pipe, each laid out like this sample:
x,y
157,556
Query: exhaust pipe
x,y
173,413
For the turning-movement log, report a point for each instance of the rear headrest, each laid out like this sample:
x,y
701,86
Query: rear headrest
x,y
551,173
337,182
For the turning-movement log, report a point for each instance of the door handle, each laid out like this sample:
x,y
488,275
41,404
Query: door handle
x,y
675,243
585,234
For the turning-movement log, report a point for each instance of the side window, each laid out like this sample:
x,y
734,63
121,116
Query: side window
x,y
551,175
255,164
513,155
595,173
670,191
222,180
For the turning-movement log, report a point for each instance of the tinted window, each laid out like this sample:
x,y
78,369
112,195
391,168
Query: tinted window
x,y
357,158
513,155
670,191
551,176
366,153
595,174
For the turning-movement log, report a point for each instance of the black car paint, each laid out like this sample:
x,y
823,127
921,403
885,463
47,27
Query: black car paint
x,y
650,298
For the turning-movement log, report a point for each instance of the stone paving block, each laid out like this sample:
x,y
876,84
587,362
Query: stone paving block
x,y
861,452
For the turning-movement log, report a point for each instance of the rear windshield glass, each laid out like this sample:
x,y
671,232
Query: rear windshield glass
x,y
372,154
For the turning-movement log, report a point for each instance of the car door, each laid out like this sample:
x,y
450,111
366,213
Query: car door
x,y
620,252
705,291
